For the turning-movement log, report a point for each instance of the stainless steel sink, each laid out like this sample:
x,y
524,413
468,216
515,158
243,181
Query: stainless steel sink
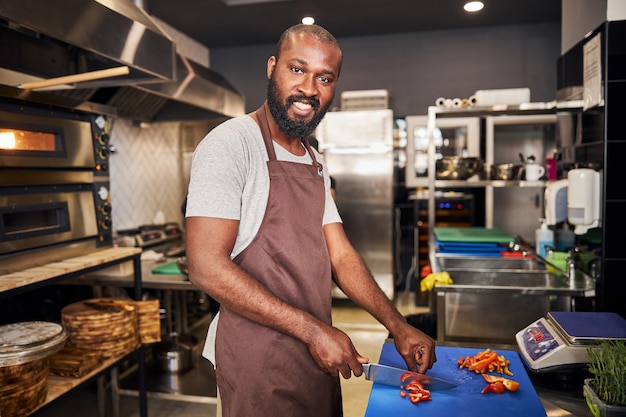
x,y
520,280
491,299
445,261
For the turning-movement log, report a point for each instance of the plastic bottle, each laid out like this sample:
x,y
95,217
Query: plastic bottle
x,y
543,237
565,238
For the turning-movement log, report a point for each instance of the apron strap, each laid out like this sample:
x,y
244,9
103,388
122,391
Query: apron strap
x,y
261,114
265,131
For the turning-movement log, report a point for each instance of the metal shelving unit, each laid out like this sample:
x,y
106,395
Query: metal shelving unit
x,y
40,276
531,112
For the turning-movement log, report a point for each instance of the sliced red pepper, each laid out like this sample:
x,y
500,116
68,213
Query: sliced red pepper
x,y
509,384
416,385
414,398
482,364
496,388
506,370
414,389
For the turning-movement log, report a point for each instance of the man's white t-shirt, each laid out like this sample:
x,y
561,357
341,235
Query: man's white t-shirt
x,y
229,179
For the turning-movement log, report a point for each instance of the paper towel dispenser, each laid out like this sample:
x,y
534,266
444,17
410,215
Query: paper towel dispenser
x,y
555,197
583,200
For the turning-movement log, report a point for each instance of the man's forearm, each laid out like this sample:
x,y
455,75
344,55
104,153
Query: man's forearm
x,y
357,282
236,290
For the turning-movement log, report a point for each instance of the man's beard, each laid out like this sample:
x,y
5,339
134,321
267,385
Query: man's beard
x,y
294,128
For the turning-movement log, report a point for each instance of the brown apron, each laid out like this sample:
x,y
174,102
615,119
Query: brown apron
x,y
262,372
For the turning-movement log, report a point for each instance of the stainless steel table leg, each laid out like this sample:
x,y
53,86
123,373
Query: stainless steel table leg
x,y
115,392
168,311
101,389
180,310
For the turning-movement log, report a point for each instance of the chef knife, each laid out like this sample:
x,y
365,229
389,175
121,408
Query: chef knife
x,y
389,375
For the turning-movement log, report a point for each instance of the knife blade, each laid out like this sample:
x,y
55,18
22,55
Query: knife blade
x,y
389,375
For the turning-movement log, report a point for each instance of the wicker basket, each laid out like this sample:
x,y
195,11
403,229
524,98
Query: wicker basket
x,y
25,349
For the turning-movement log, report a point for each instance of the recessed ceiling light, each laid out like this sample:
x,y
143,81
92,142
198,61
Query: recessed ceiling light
x,y
308,20
473,6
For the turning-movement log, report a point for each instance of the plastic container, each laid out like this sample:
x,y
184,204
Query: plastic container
x,y
543,237
558,259
565,239
598,407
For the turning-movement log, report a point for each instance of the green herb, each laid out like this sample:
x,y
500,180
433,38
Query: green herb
x,y
607,362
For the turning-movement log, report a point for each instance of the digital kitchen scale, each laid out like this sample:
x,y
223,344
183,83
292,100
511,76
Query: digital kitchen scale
x,y
562,339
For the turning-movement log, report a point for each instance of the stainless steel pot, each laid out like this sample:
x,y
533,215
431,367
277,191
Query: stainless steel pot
x,y
176,353
457,168
506,172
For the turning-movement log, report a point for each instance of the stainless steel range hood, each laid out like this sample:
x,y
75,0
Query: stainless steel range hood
x,y
48,39
199,94
75,36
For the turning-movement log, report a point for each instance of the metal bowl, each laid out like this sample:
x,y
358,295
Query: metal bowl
x,y
506,172
457,168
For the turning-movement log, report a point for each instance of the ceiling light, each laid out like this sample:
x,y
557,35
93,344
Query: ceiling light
x,y
473,6
308,20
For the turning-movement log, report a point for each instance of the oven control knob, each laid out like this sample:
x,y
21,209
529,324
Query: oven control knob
x,y
105,208
105,223
103,153
103,138
103,193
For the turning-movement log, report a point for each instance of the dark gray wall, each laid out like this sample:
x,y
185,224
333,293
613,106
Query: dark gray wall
x,y
419,67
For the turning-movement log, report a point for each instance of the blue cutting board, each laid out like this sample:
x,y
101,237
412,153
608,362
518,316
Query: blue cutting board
x,y
464,400
470,248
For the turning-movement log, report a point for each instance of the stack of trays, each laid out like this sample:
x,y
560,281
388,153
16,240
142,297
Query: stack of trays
x,y
74,362
471,241
102,324
149,321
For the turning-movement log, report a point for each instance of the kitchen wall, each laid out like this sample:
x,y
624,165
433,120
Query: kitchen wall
x,y
146,174
582,16
417,68
149,171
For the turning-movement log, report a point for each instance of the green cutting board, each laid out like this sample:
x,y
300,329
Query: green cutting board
x,y
471,234
170,268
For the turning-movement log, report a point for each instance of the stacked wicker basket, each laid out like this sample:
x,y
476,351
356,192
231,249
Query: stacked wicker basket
x,y
110,325
25,349
90,330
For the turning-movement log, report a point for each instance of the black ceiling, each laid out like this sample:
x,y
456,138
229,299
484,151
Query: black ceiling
x,y
214,24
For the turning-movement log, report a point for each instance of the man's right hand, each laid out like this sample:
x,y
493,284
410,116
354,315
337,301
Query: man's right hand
x,y
335,354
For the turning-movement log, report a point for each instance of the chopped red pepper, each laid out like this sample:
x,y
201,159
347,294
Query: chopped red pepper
x,y
509,384
414,389
496,388
485,361
405,375
483,364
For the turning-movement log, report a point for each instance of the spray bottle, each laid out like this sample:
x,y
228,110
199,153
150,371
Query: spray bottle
x,y
543,237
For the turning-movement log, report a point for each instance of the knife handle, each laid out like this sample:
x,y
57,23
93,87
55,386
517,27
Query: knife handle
x,y
366,370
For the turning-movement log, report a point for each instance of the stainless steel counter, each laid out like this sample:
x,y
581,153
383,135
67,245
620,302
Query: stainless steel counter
x,y
120,278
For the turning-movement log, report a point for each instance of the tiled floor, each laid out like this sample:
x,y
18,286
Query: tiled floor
x,y
367,335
